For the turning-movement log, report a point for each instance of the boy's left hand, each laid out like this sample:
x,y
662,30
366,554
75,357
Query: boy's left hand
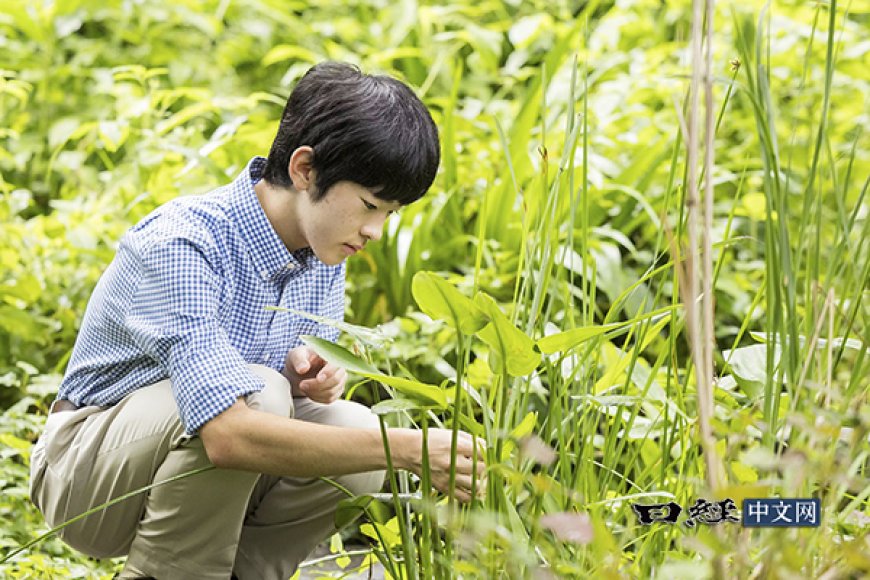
x,y
311,376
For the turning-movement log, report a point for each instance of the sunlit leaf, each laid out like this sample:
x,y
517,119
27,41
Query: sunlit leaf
x,y
525,426
429,394
749,367
572,338
515,350
339,355
440,300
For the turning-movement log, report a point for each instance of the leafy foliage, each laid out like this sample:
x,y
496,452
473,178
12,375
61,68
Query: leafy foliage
x,y
535,295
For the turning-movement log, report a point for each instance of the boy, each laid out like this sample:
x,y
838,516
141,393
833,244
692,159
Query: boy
x,y
179,365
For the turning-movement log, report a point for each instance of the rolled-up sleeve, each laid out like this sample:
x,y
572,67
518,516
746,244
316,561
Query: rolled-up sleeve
x,y
173,317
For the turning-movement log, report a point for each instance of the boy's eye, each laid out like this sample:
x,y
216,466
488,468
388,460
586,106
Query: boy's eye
x,y
369,205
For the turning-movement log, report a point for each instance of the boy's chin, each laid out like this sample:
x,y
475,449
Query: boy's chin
x,y
330,258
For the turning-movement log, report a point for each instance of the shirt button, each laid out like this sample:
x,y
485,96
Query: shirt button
x,y
264,274
266,357
290,266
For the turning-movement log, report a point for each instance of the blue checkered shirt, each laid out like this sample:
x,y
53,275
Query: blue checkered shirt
x,y
185,299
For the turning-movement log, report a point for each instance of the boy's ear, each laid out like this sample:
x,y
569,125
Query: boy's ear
x,y
301,168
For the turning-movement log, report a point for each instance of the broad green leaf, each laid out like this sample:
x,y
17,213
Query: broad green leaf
x,y
576,336
749,367
571,338
525,427
440,300
395,406
430,394
352,508
515,350
339,355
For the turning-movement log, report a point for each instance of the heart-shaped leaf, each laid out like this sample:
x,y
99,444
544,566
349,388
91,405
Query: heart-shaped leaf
x,y
440,300
514,349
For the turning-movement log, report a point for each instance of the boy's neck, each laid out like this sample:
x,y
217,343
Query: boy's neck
x,y
279,204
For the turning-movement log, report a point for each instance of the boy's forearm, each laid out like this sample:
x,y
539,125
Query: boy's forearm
x,y
250,440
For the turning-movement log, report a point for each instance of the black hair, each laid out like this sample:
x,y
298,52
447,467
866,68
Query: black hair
x,y
368,129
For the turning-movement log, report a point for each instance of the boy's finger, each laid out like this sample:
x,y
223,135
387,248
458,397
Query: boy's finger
x,y
465,446
299,358
314,360
328,371
308,386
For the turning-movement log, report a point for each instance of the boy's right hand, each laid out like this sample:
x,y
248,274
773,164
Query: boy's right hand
x,y
439,462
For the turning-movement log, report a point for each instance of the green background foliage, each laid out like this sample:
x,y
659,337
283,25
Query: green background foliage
x,y
559,206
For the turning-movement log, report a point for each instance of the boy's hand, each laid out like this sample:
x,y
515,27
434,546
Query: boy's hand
x,y
470,465
311,376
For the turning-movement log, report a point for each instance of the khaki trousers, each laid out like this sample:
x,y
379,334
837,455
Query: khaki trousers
x,y
209,525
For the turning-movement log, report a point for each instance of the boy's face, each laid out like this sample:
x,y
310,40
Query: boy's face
x,y
340,224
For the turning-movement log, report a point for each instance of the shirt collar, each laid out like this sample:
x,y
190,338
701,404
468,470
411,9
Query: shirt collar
x,y
269,256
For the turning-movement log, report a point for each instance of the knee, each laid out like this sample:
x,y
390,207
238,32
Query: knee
x,y
275,396
363,483
351,414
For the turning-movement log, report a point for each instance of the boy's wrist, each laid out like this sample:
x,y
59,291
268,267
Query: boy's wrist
x,y
405,448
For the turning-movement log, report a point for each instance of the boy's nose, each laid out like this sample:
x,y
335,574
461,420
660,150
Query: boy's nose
x,y
374,229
